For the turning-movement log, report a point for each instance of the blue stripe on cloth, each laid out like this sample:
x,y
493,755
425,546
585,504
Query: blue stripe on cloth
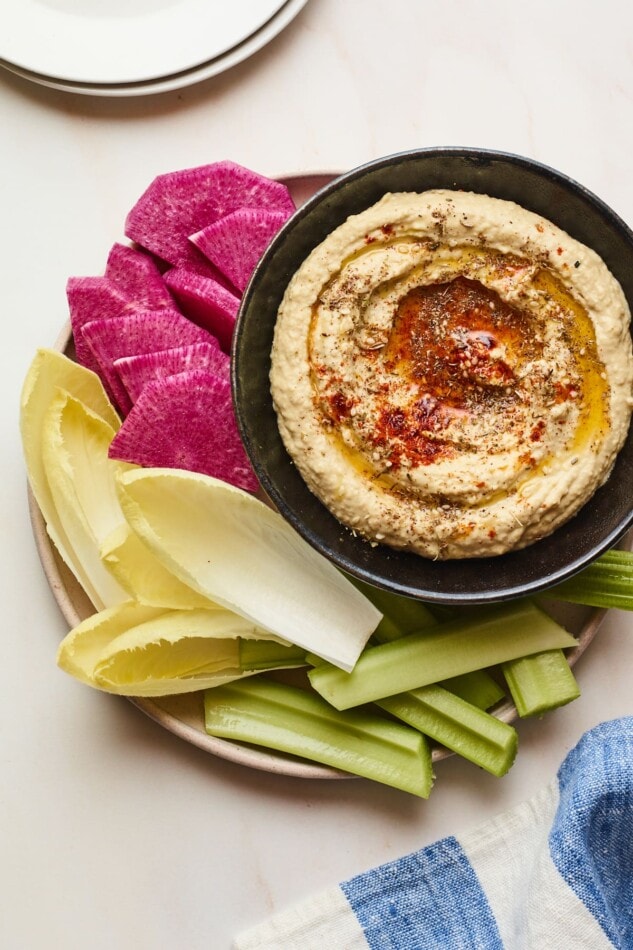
x,y
428,900
591,841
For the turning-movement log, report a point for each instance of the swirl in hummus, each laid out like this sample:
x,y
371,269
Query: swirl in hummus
x,y
452,374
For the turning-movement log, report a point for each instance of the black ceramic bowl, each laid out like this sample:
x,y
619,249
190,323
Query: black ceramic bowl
x,y
599,524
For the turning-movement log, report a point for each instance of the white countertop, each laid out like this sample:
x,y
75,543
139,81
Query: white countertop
x,y
114,832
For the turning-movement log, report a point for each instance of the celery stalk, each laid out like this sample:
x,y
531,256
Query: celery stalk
x,y
458,646
295,721
401,615
541,682
268,655
458,725
478,688
608,582
386,630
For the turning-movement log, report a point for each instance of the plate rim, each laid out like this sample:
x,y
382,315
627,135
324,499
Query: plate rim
x,y
243,43
59,579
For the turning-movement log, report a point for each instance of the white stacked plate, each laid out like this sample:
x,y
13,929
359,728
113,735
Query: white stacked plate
x,y
134,47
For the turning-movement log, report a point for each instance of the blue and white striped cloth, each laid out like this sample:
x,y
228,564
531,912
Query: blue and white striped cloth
x,y
554,873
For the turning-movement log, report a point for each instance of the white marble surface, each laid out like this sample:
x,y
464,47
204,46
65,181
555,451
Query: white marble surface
x,y
115,833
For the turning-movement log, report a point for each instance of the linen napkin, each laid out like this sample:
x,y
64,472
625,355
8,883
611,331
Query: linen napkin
x,y
554,873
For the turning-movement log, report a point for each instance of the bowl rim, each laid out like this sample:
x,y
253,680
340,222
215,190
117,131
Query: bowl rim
x,y
475,153
503,592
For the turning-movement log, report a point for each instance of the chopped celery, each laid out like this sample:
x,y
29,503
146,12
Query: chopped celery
x,y
457,724
269,655
295,721
401,615
541,682
458,646
386,630
608,582
478,688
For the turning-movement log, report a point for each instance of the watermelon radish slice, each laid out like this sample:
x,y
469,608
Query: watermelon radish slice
x,y
235,242
181,203
92,298
136,275
135,372
206,302
186,421
133,333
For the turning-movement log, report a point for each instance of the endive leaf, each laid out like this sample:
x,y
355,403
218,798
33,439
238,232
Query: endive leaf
x,y
80,478
145,651
238,552
80,649
143,576
49,371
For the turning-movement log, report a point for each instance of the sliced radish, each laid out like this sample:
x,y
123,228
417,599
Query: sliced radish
x,y
180,203
136,372
133,333
136,275
186,422
235,242
206,302
92,298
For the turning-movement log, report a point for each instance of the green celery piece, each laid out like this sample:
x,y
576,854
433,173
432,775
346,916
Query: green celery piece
x,y
541,682
458,725
386,630
458,646
478,688
607,582
401,615
295,721
268,655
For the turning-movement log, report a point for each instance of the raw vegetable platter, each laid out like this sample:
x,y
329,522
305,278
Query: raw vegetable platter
x,y
183,714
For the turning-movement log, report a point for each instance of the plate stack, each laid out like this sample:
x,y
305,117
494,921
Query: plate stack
x,y
134,47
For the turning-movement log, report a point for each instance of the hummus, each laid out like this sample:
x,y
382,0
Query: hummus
x,y
452,374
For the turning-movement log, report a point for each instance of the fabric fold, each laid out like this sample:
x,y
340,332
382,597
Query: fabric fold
x,y
555,871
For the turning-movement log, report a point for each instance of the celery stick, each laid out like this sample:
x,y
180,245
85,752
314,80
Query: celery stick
x,y
458,646
608,582
478,688
387,630
297,722
457,724
401,615
269,655
540,682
